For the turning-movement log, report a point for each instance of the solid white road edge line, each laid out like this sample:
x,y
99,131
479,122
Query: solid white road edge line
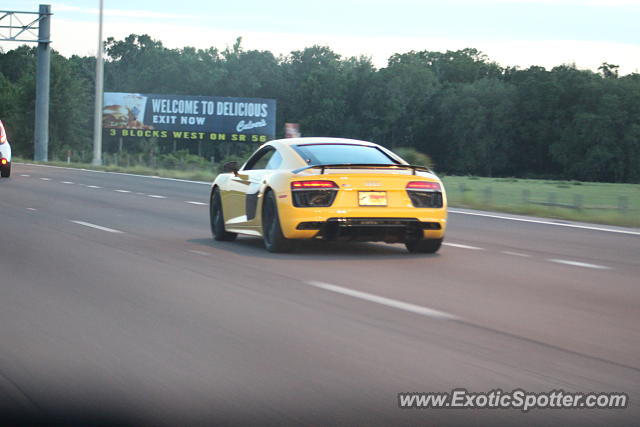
x,y
457,245
97,227
118,173
536,221
579,264
405,306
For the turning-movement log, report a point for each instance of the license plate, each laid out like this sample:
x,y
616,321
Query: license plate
x,y
372,198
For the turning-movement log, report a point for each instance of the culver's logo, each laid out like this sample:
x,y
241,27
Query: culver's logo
x,y
242,125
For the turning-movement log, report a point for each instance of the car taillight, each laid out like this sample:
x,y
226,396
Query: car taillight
x,y
425,194
3,162
313,194
306,185
423,185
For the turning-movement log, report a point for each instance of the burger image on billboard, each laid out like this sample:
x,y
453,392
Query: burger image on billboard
x,y
114,116
124,110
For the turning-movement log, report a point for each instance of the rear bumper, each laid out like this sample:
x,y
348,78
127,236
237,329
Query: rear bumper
x,y
391,226
389,230
5,151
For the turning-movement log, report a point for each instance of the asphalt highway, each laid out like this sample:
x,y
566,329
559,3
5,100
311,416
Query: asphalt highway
x,y
116,306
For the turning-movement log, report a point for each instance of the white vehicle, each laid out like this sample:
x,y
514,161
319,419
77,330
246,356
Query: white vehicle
x,y
5,153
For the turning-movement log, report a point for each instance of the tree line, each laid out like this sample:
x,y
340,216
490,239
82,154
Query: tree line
x,y
472,116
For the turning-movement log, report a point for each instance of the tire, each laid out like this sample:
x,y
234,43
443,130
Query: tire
x,y
217,219
5,171
424,246
274,240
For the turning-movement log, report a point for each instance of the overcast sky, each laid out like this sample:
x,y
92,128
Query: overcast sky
x,y
511,32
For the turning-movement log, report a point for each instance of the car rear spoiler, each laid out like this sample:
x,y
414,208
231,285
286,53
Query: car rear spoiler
x,y
413,168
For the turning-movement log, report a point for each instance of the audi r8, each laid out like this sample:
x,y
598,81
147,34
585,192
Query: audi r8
x,y
331,189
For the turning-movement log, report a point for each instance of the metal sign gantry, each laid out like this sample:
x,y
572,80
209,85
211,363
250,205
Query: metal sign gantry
x,y
21,28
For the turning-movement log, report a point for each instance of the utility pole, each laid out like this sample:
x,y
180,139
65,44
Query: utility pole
x,y
97,119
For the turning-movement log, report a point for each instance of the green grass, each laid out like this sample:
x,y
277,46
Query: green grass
x,y
583,201
571,200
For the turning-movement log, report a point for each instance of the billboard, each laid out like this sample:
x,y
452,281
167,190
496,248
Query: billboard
x,y
184,117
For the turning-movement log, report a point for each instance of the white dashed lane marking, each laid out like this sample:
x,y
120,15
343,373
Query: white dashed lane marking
x,y
580,264
520,254
25,175
97,227
203,253
523,255
453,245
457,245
401,305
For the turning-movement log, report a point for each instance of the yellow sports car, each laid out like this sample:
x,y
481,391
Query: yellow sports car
x,y
332,189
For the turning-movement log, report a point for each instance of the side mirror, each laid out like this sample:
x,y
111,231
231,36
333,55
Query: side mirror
x,y
230,167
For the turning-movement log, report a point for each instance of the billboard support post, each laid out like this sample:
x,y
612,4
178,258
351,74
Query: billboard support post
x,y
97,119
21,29
41,137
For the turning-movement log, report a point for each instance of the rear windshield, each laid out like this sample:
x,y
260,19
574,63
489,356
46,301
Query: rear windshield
x,y
328,154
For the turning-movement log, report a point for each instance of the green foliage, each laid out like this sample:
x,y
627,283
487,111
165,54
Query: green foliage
x,y
471,116
414,157
182,160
